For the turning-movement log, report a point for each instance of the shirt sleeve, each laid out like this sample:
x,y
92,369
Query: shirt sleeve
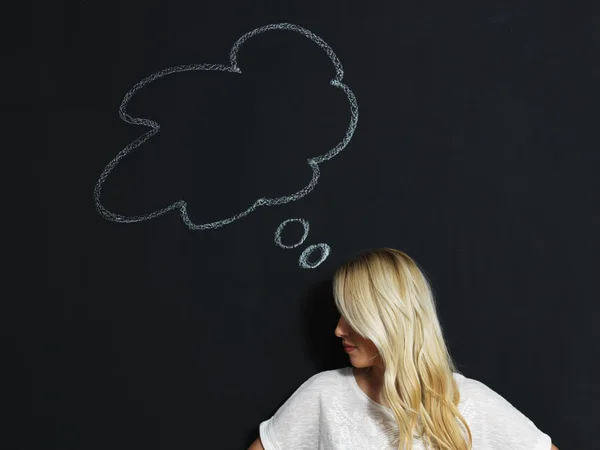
x,y
295,425
500,426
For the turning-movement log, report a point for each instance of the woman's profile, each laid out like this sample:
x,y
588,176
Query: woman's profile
x,y
402,390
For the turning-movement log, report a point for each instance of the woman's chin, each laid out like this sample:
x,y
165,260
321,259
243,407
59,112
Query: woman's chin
x,y
356,363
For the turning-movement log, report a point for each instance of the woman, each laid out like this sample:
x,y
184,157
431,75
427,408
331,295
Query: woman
x,y
403,390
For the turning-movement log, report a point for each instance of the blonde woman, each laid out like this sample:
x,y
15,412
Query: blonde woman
x,y
403,390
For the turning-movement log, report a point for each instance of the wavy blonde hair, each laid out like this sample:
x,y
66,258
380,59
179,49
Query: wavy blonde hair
x,y
386,298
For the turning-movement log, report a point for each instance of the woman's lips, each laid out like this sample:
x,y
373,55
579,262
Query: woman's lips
x,y
348,348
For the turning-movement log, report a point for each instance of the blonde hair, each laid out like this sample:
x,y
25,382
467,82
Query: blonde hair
x,y
386,298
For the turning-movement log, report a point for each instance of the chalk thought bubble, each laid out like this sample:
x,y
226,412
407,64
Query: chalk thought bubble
x,y
181,205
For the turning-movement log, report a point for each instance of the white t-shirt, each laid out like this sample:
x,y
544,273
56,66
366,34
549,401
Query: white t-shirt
x,y
329,411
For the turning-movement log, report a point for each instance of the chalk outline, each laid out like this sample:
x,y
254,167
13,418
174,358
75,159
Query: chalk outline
x,y
155,127
303,261
282,225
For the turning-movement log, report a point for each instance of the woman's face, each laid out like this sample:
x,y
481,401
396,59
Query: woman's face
x,y
363,352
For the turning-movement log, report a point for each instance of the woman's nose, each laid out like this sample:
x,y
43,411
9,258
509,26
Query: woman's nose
x,y
340,329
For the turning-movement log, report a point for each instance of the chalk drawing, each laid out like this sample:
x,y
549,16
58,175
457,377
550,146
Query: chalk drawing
x,y
181,205
304,257
282,226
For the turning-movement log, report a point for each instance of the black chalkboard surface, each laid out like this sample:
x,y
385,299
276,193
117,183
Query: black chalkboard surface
x,y
208,165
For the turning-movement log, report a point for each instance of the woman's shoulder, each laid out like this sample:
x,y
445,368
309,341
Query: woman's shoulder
x,y
319,386
475,390
327,378
493,418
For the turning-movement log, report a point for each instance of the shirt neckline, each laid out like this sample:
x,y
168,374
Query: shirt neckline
x,y
352,379
361,393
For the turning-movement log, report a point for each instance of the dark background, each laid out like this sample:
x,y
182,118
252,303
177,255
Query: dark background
x,y
476,152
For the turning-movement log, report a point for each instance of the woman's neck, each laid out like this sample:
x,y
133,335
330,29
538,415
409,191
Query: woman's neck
x,y
370,380
374,376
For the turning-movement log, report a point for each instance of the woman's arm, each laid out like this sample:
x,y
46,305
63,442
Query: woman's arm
x,y
257,445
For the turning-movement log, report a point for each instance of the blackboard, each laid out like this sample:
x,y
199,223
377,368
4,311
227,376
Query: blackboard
x,y
187,288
